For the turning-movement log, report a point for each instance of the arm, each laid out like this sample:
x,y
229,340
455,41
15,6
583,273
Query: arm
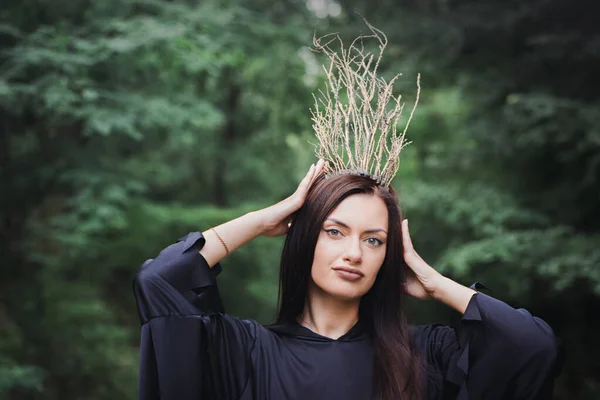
x,y
497,351
185,269
453,294
271,221
234,233
424,282
189,348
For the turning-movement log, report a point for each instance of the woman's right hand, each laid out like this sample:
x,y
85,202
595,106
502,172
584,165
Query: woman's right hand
x,y
276,218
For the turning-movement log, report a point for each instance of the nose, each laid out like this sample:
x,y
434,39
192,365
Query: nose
x,y
353,252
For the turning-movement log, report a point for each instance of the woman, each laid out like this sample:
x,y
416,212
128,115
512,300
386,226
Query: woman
x,y
341,332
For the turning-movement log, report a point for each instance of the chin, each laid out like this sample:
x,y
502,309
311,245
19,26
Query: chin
x,y
345,291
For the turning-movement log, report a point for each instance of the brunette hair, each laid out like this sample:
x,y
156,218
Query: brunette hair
x,y
398,371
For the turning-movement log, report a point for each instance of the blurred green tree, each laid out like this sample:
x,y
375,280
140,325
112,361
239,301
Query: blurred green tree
x,y
124,124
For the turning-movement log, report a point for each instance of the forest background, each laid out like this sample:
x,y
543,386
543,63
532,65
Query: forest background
x,y
126,124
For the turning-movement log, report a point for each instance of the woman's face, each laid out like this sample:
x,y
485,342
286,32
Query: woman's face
x,y
351,247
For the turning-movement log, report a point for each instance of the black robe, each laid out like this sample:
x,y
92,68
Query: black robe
x,y
191,349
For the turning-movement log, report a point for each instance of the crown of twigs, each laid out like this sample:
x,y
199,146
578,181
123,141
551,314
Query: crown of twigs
x,y
356,117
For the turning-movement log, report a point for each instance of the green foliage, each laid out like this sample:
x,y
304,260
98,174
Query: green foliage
x,y
122,123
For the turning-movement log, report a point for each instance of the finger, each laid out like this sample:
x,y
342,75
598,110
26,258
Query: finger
x,y
413,260
309,178
310,171
317,172
306,180
300,194
296,200
406,241
320,165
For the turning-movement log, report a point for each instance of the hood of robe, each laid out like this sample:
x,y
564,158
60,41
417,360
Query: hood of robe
x,y
301,332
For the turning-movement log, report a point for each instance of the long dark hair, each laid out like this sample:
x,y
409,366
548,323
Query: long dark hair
x,y
398,371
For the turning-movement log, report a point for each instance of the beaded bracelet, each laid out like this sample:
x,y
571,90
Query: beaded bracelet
x,y
221,240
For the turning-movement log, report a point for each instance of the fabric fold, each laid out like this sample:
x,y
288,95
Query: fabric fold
x,y
492,336
470,322
182,267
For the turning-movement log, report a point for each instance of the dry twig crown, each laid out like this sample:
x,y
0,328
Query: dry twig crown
x,y
356,118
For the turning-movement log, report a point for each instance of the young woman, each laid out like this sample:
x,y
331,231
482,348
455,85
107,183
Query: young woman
x,y
340,331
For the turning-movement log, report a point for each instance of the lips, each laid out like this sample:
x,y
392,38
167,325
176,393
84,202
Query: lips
x,y
349,273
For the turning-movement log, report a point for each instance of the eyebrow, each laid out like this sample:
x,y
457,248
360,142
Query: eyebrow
x,y
347,227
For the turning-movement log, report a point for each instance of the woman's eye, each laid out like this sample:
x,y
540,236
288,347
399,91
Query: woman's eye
x,y
374,241
333,232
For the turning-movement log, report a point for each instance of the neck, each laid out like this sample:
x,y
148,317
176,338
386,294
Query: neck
x,y
326,315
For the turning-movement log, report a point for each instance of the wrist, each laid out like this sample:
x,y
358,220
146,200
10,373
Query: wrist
x,y
439,287
256,219
453,294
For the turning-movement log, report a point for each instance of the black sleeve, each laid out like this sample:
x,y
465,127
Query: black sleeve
x,y
496,352
189,348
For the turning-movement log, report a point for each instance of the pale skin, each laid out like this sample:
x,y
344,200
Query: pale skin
x,y
348,240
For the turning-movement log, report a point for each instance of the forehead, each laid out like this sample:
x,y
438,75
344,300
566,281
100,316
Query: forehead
x,y
362,211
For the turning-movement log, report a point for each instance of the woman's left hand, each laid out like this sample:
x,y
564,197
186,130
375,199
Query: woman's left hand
x,y
421,278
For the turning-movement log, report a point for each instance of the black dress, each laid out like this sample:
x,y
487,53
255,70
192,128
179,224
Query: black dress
x,y
191,349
